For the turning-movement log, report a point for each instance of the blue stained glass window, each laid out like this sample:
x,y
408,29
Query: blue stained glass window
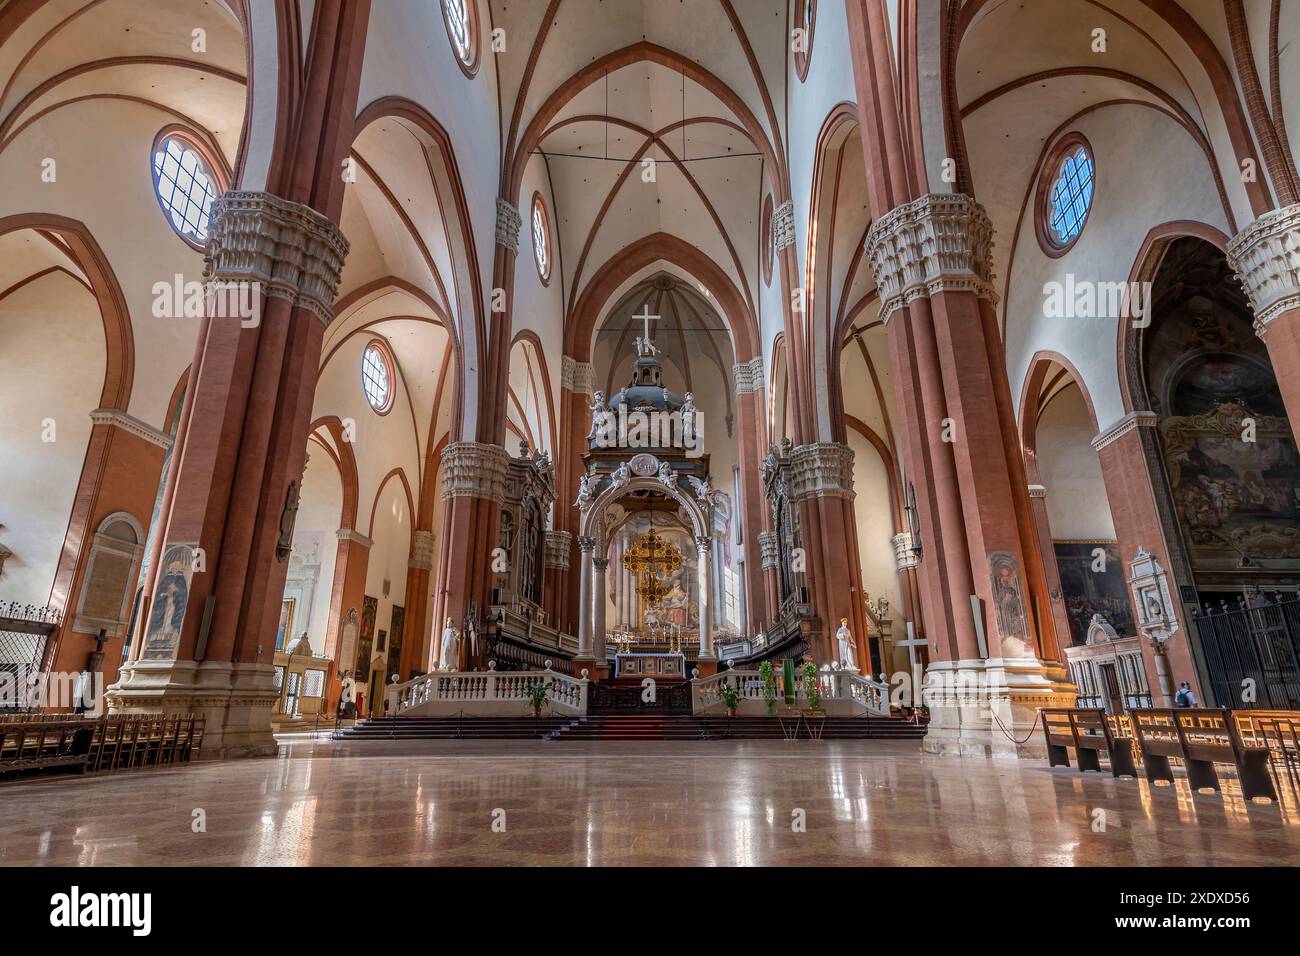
x,y
1071,196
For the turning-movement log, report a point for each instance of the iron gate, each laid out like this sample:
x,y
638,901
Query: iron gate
x,y
1258,641
25,631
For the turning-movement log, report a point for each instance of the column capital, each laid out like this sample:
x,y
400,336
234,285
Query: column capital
x,y
291,249
1037,491
576,376
783,226
905,551
767,550
355,536
1122,427
508,224
748,375
600,564
1266,258
703,544
942,242
586,542
475,470
821,470
421,551
557,549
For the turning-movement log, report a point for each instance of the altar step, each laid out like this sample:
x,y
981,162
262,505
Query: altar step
x,y
631,727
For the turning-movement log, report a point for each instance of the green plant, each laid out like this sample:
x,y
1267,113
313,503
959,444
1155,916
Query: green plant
x,y
536,693
812,687
730,696
768,675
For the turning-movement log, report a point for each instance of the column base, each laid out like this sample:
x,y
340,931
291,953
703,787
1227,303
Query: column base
x,y
236,701
989,708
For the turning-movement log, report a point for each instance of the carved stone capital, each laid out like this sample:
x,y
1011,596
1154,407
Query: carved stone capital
x,y
767,550
1038,491
120,419
1266,257
356,537
749,376
703,544
421,551
586,543
905,551
783,226
557,549
475,470
821,470
508,224
576,376
942,242
1122,427
600,565
291,249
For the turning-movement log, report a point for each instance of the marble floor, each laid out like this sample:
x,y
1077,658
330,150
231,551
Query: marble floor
x,y
455,803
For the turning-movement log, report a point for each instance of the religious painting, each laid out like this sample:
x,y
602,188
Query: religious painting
x,y
1093,583
1009,605
366,637
395,629
171,598
284,628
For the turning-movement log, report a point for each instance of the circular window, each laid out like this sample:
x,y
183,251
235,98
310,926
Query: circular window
x,y
461,19
541,239
805,18
377,376
1065,193
185,186
765,231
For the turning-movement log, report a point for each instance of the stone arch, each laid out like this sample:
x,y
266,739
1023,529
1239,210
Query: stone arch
x,y
592,524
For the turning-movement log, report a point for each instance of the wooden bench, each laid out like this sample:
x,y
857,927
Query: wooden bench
x,y
40,745
1279,732
1089,732
1200,737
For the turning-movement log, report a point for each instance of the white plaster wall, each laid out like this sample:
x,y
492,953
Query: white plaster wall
x,y
1148,172
389,557
52,353
874,526
1070,469
320,506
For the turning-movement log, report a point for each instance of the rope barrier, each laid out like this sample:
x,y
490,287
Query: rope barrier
x,y
1005,733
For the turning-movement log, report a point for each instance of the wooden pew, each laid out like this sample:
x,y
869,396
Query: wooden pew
x,y
1089,732
1279,732
39,745
1200,737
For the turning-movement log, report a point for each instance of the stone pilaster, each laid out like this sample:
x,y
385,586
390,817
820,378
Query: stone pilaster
x,y
940,242
291,250
475,470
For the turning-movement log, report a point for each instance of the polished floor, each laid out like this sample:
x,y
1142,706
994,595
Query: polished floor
x,y
709,803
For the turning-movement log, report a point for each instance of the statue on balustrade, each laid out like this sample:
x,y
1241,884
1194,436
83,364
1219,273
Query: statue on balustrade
x,y
450,657
848,659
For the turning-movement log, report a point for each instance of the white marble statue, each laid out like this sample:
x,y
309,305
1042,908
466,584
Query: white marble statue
x,y
667,477
688,414
599,417
586,490
703,488
450,656
621,476
848,660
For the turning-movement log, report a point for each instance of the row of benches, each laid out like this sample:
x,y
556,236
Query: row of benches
x,y
92,745
1253,741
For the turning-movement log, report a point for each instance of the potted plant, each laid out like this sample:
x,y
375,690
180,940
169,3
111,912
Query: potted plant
x,y
768,675
812,687
731,698
536,694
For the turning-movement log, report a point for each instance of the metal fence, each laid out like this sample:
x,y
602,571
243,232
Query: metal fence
x,y
1252,651
25,631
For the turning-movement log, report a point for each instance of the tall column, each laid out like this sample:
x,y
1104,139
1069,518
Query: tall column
x,y
1056,602
347,595
601,599
585,644
415,641
707,659
984,592
1266,257
557,567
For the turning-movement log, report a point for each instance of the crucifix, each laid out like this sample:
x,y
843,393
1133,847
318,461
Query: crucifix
x,y
643,345
913,644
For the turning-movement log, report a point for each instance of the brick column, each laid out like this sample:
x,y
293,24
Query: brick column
x,y
419,568
347,595
931,259
1056,601
1266,257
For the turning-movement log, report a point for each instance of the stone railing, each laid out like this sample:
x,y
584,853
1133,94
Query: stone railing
x,y
843,693
488,693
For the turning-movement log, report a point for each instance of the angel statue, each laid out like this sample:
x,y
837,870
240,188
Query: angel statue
x,y
621,476
667,477
688,414
703,488
600,416
586,490
848,660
